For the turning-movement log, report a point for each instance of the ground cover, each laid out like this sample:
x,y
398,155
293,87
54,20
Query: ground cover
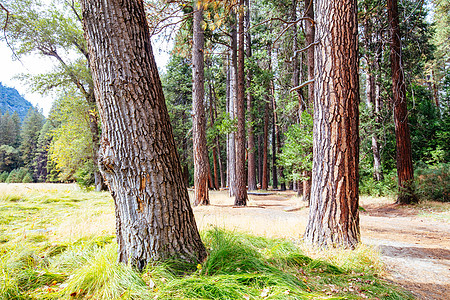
x,y
57,242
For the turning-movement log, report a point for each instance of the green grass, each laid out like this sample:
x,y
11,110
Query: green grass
x,y
59,264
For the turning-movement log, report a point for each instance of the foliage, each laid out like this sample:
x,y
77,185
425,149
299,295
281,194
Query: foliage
x,y
27,178
9,158
296,155
17,175
433,182
4,176
71,145
29,134
40,161
177,85
386,187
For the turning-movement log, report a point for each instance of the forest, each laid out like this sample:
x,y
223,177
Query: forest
x,y
331,99
278,112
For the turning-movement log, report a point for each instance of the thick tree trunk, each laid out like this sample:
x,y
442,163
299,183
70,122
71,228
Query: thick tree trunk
x,y
241,176
251,178
333,217
138,157
201,163
405,171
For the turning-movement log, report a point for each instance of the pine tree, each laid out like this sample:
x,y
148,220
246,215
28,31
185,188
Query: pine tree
x,y
32,125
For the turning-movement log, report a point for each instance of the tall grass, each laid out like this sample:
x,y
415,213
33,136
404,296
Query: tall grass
x,y
40,258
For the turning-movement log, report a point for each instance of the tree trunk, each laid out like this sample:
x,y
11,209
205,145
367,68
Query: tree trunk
x,y
99,183
241,176
405,170
138,157
265,167
231,159
214,148
270,91
260,158
251,137
217,141
274,152
310,39
333,217
372,93
201,163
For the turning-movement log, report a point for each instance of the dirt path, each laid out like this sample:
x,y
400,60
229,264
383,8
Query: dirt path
x,y
415,248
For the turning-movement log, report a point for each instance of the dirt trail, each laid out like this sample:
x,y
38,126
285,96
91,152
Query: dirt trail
x,y
415,249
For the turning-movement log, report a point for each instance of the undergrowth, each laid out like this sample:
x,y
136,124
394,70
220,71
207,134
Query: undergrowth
x,y
42,265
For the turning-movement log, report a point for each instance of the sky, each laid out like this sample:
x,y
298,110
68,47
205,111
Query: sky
x,y
36,64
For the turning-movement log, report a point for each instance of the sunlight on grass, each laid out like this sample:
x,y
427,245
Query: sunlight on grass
x,y
58,243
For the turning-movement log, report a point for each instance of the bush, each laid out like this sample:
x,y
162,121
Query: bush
x,y
433,182
386,187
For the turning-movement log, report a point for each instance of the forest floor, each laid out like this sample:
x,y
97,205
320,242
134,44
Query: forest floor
x,y
414,241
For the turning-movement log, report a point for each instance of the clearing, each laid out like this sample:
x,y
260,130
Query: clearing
x,y
413,240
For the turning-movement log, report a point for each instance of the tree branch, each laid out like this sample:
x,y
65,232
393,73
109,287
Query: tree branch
x,y
304,49
311,81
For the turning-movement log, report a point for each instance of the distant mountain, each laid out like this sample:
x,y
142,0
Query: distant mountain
x,y
11,101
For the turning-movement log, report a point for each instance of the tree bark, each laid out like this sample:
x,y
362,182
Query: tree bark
x,y
201,163
231,154
265,167
138,157
405,171
217,141
214,148
99,183
333,217
372,93
241,178
310,39
251,137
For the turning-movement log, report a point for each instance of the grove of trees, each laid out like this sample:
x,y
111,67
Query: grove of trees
x,y
330,98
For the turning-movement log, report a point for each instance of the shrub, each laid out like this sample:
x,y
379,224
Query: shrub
x,y
386,187
433,182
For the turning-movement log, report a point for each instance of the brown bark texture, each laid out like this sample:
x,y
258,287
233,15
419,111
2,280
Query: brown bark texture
x,y
241,176
214,148
310,39
333,217
265,159
405,171
251,166
200,154
138,157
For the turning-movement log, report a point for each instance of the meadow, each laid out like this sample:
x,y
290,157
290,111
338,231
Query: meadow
x,y
57,242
